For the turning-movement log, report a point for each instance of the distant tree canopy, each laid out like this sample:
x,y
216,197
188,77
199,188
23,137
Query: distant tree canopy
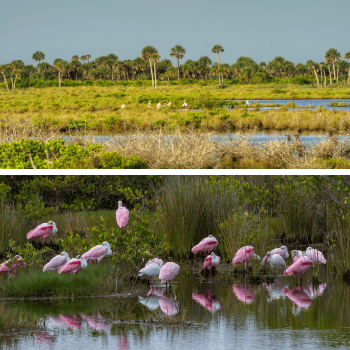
x,y
150,66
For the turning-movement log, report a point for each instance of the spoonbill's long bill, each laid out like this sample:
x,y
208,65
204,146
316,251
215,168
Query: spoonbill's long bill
x,y
98,252
43,230
73,266
57,262
206,245
122,215
283,252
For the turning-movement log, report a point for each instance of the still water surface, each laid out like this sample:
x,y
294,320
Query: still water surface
x,y
224,315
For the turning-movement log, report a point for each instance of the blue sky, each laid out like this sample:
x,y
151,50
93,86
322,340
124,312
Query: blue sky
x,y
298,30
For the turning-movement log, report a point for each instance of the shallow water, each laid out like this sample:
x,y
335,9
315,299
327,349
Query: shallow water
x,y
224,316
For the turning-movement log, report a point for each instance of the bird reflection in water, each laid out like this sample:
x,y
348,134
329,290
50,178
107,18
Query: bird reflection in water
x,y
299,297
122,343
45,339
244,293
207,300
275,291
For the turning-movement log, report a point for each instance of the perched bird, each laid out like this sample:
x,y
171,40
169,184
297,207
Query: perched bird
x,y
122,106
211,261
157,261
184,104
149,104
43,230
315,255
283,252
276,261
243,255
57,262
206,245
11,265
122,215
98,252
168,272
151,270
73,266
299,267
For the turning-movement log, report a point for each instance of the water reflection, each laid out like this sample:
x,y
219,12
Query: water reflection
x,y
244,293
95,322
44,339
207,300
275,291
123,343
299,297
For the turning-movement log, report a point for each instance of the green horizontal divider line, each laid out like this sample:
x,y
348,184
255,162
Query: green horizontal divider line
x,y
175,172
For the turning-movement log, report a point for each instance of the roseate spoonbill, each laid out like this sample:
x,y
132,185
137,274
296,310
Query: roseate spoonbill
x,y
98,252
122,215
243,255
206,245
122,106
57,262
296,256
10,265
168,272
315,255
73,266
276,261
299,266
151,270
244,293
184,104
43,230
211,261
283,252
157,261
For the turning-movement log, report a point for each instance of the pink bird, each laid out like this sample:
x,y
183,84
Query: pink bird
x,y
315,255
122,215
151,270
211,261
98,252
283,252
244,293
295,256
157,261
57,262
43,230
169,306
299,266
168,272
73,266
298,296
243,255
11,265
206,245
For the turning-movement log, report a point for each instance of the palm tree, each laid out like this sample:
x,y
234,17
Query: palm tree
x,y
88,57
38,56
60,65
217,49
83,58
4,71
347,57
333,55
179,52
43,67
328,63
146,54
315,67
75,64
155,59
75,57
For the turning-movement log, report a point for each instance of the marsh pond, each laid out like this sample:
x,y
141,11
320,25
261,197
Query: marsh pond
x,y
197,313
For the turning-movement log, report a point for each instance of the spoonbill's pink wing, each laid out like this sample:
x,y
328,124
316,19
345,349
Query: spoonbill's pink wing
x,y
70,267
168,306
207,262
168,271
40,231
316,256
244,293
97,252
155,261
55,263
205,245
265,259
122,216
4,268
243,254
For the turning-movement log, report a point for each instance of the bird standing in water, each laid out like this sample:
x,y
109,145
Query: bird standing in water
x,y
211,261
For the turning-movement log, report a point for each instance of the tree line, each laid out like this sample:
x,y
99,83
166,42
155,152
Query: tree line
x,y
150,67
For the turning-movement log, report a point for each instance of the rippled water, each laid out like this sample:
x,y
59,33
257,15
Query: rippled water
x,y
224,316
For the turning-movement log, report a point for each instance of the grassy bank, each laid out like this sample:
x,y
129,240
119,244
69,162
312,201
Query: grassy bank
x,y
47,112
